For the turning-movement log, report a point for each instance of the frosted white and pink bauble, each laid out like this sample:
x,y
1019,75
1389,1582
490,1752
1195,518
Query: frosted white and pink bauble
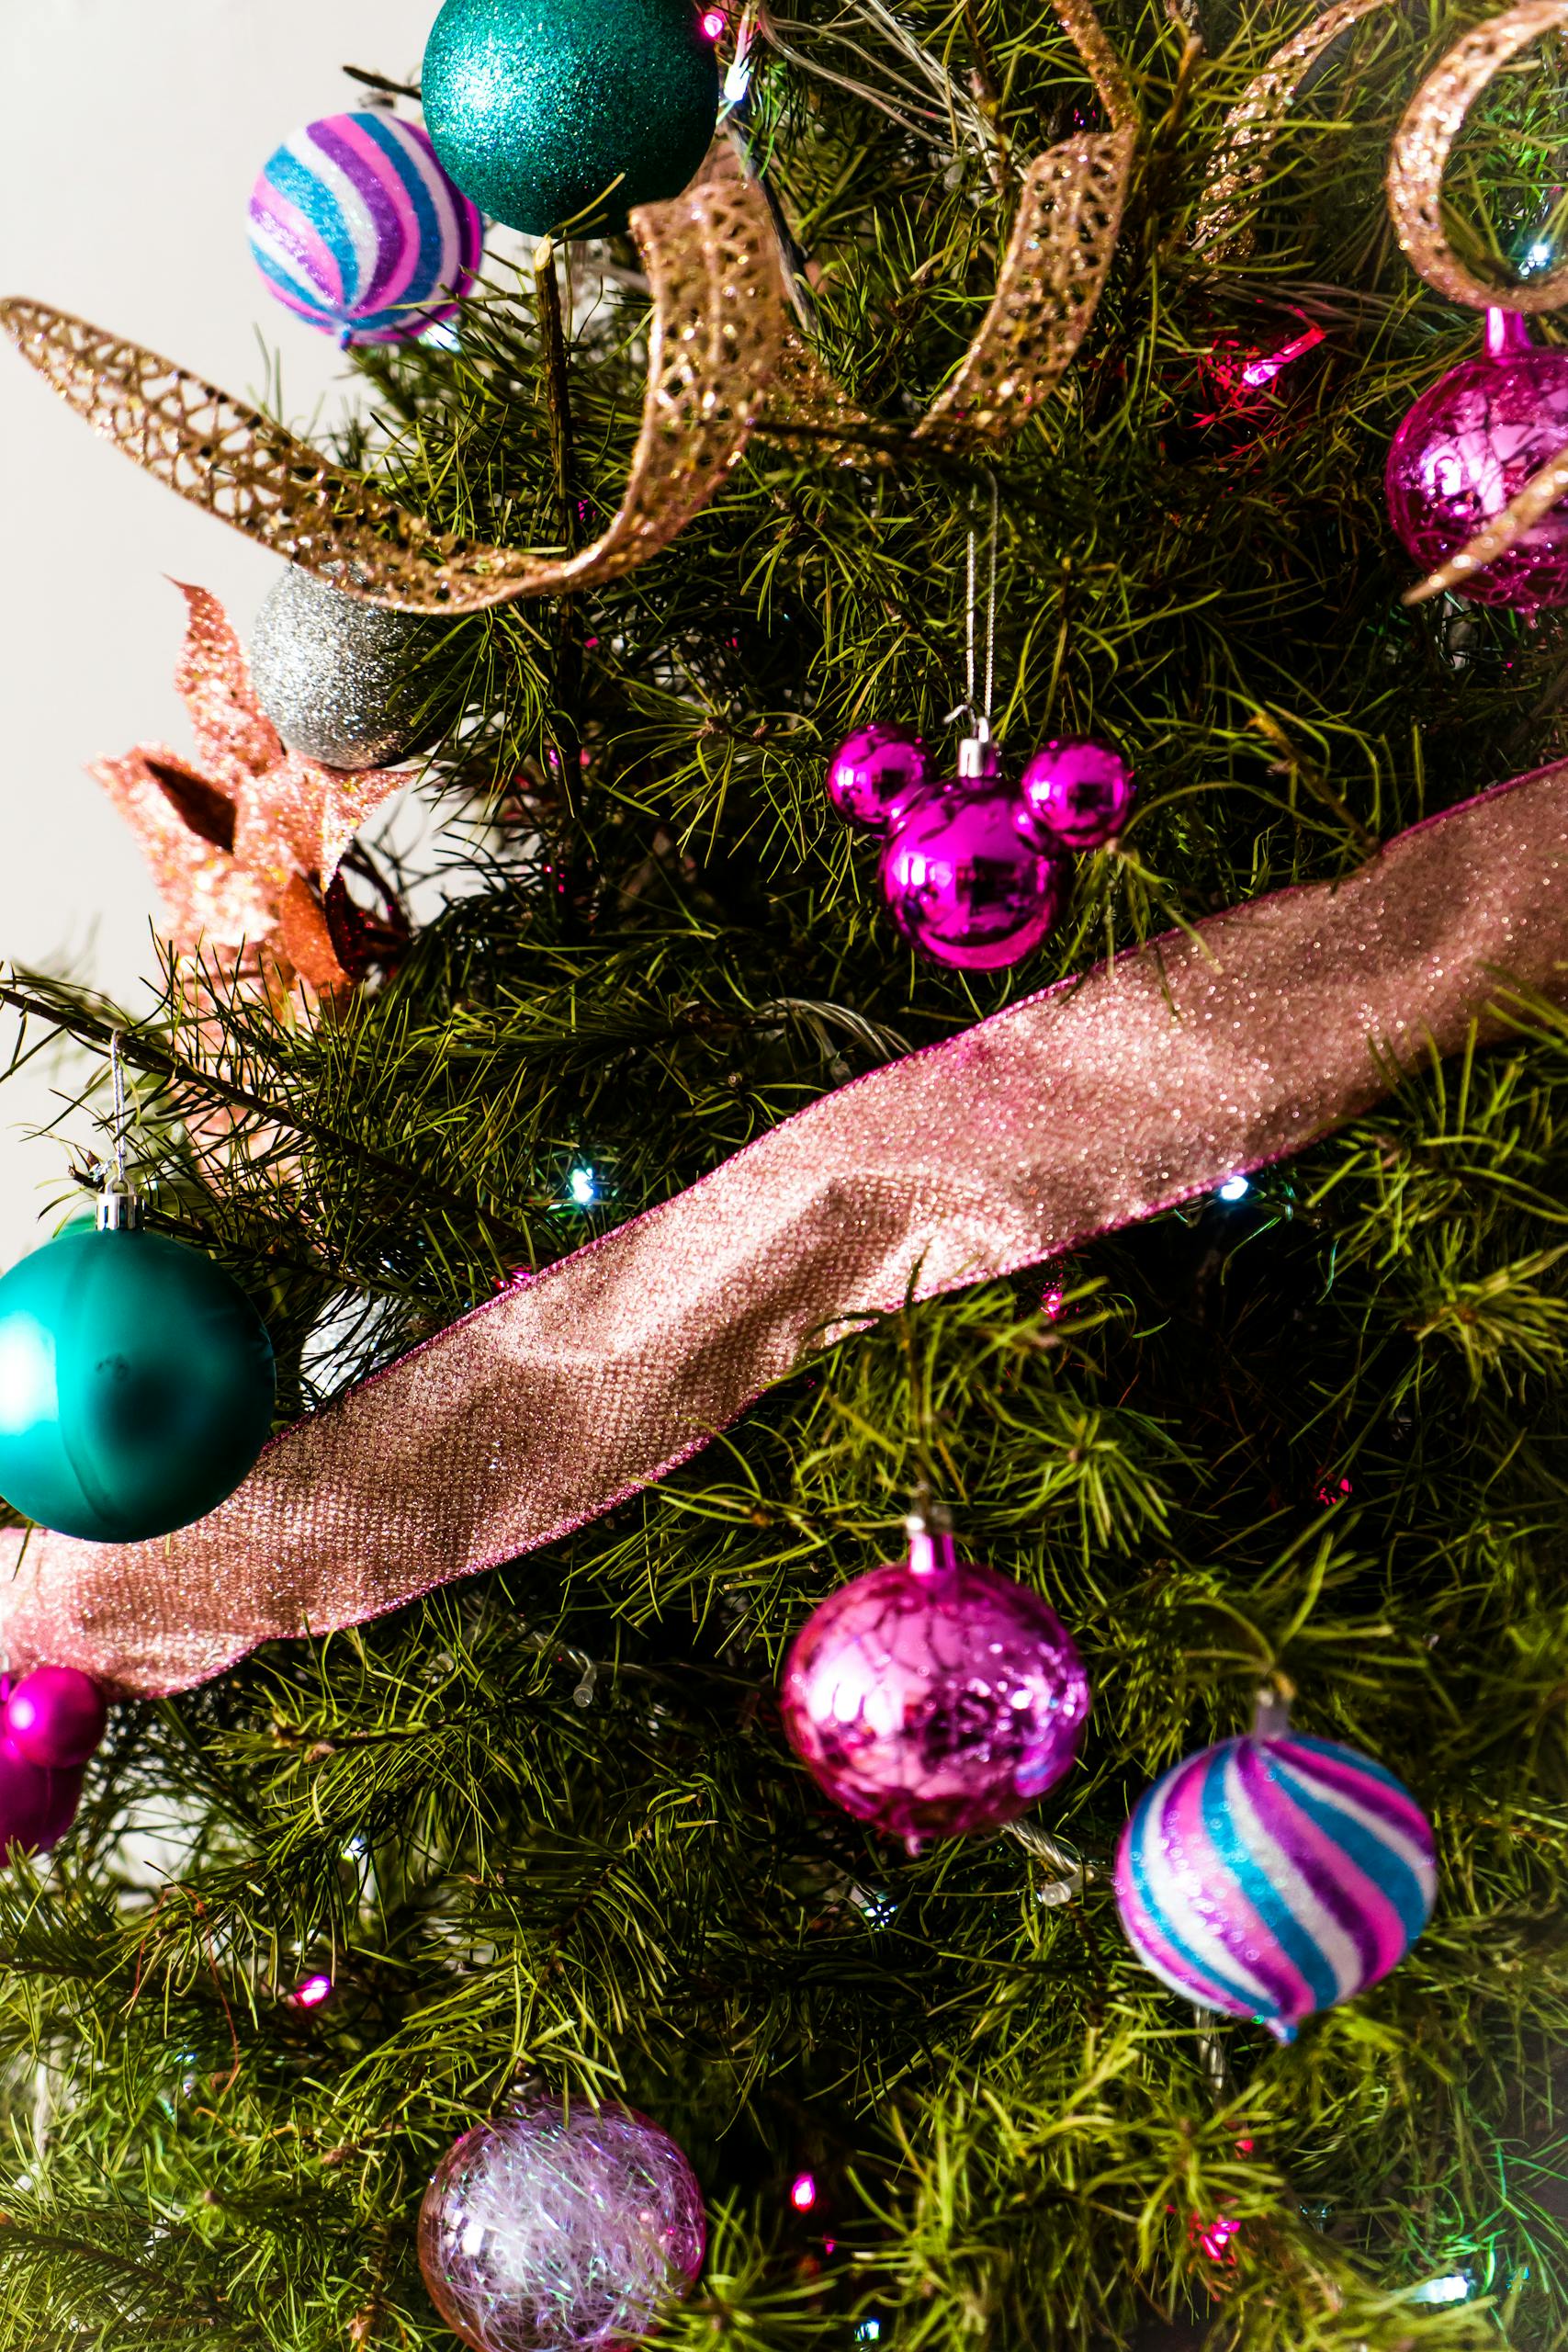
x,y
558,2230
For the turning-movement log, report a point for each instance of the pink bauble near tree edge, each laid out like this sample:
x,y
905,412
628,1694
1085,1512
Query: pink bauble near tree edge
x,y
963,882
1077,795
37,1805
875,774
934,1697
55,1717
1468,447
558,2230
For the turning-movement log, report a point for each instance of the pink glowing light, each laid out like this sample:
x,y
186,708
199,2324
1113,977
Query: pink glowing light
x,y
312,1993
1215,2238
1334,1491
1051,1300
712,23
1267,366
802,2192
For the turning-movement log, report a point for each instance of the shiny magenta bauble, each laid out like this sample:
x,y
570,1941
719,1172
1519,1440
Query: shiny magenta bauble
x,y
1077,794
876,773
557,2230
54,1716
37,1805
964,883
934,1697
1468,447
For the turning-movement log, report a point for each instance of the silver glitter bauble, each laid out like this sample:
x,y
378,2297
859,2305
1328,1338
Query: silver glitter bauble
x,y
339,678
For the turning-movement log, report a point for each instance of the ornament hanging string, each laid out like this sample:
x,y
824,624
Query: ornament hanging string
x,y
117,1081
1094,1105
988,703
980,714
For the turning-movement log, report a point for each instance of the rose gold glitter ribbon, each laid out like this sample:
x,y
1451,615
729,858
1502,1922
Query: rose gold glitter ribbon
x,y
1082,1109
1421,148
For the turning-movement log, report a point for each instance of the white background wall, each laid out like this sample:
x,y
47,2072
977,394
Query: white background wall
x,y
134,130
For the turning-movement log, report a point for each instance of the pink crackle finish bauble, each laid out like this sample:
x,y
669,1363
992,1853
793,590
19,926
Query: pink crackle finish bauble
x,y
37,1805
1077,795
876,773
964,885
1468,447
55,1717
934,1697
549,2232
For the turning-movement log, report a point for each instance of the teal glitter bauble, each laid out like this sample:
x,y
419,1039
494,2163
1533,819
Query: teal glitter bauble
x,y
535,106
136,1385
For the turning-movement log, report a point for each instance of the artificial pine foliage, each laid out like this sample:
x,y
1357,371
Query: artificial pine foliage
x,y
544,1823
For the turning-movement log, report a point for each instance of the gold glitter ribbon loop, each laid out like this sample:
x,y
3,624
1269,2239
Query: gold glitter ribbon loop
x,y
718,326
1085,1108
1054,272
1225,210
1421,148
1422,145
1104,68
1070,215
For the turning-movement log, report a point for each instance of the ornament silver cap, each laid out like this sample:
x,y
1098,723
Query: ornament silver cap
x,y
977,755
929,1528
119,1207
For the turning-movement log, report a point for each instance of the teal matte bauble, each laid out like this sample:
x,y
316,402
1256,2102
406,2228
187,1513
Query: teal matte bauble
x,y
535,106
136,1385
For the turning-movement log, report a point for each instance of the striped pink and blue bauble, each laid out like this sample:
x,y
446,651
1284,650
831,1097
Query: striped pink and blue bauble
x,y
356,227
1269,1877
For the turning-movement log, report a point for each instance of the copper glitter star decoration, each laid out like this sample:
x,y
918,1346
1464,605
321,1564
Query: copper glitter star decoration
x,y
246,845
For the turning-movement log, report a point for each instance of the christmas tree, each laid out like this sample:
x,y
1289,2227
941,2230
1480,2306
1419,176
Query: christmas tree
x,y
334,1897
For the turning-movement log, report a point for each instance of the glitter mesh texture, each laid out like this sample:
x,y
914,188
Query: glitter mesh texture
x,y
1466,448
1064,233
332,673
1079,1110
536,107
544,2234
1420,155
718,314
1225,210
934,1704
1069,211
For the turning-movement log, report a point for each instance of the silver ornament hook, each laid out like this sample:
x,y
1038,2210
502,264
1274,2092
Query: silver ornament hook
x,y
119,1211
1271,1710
